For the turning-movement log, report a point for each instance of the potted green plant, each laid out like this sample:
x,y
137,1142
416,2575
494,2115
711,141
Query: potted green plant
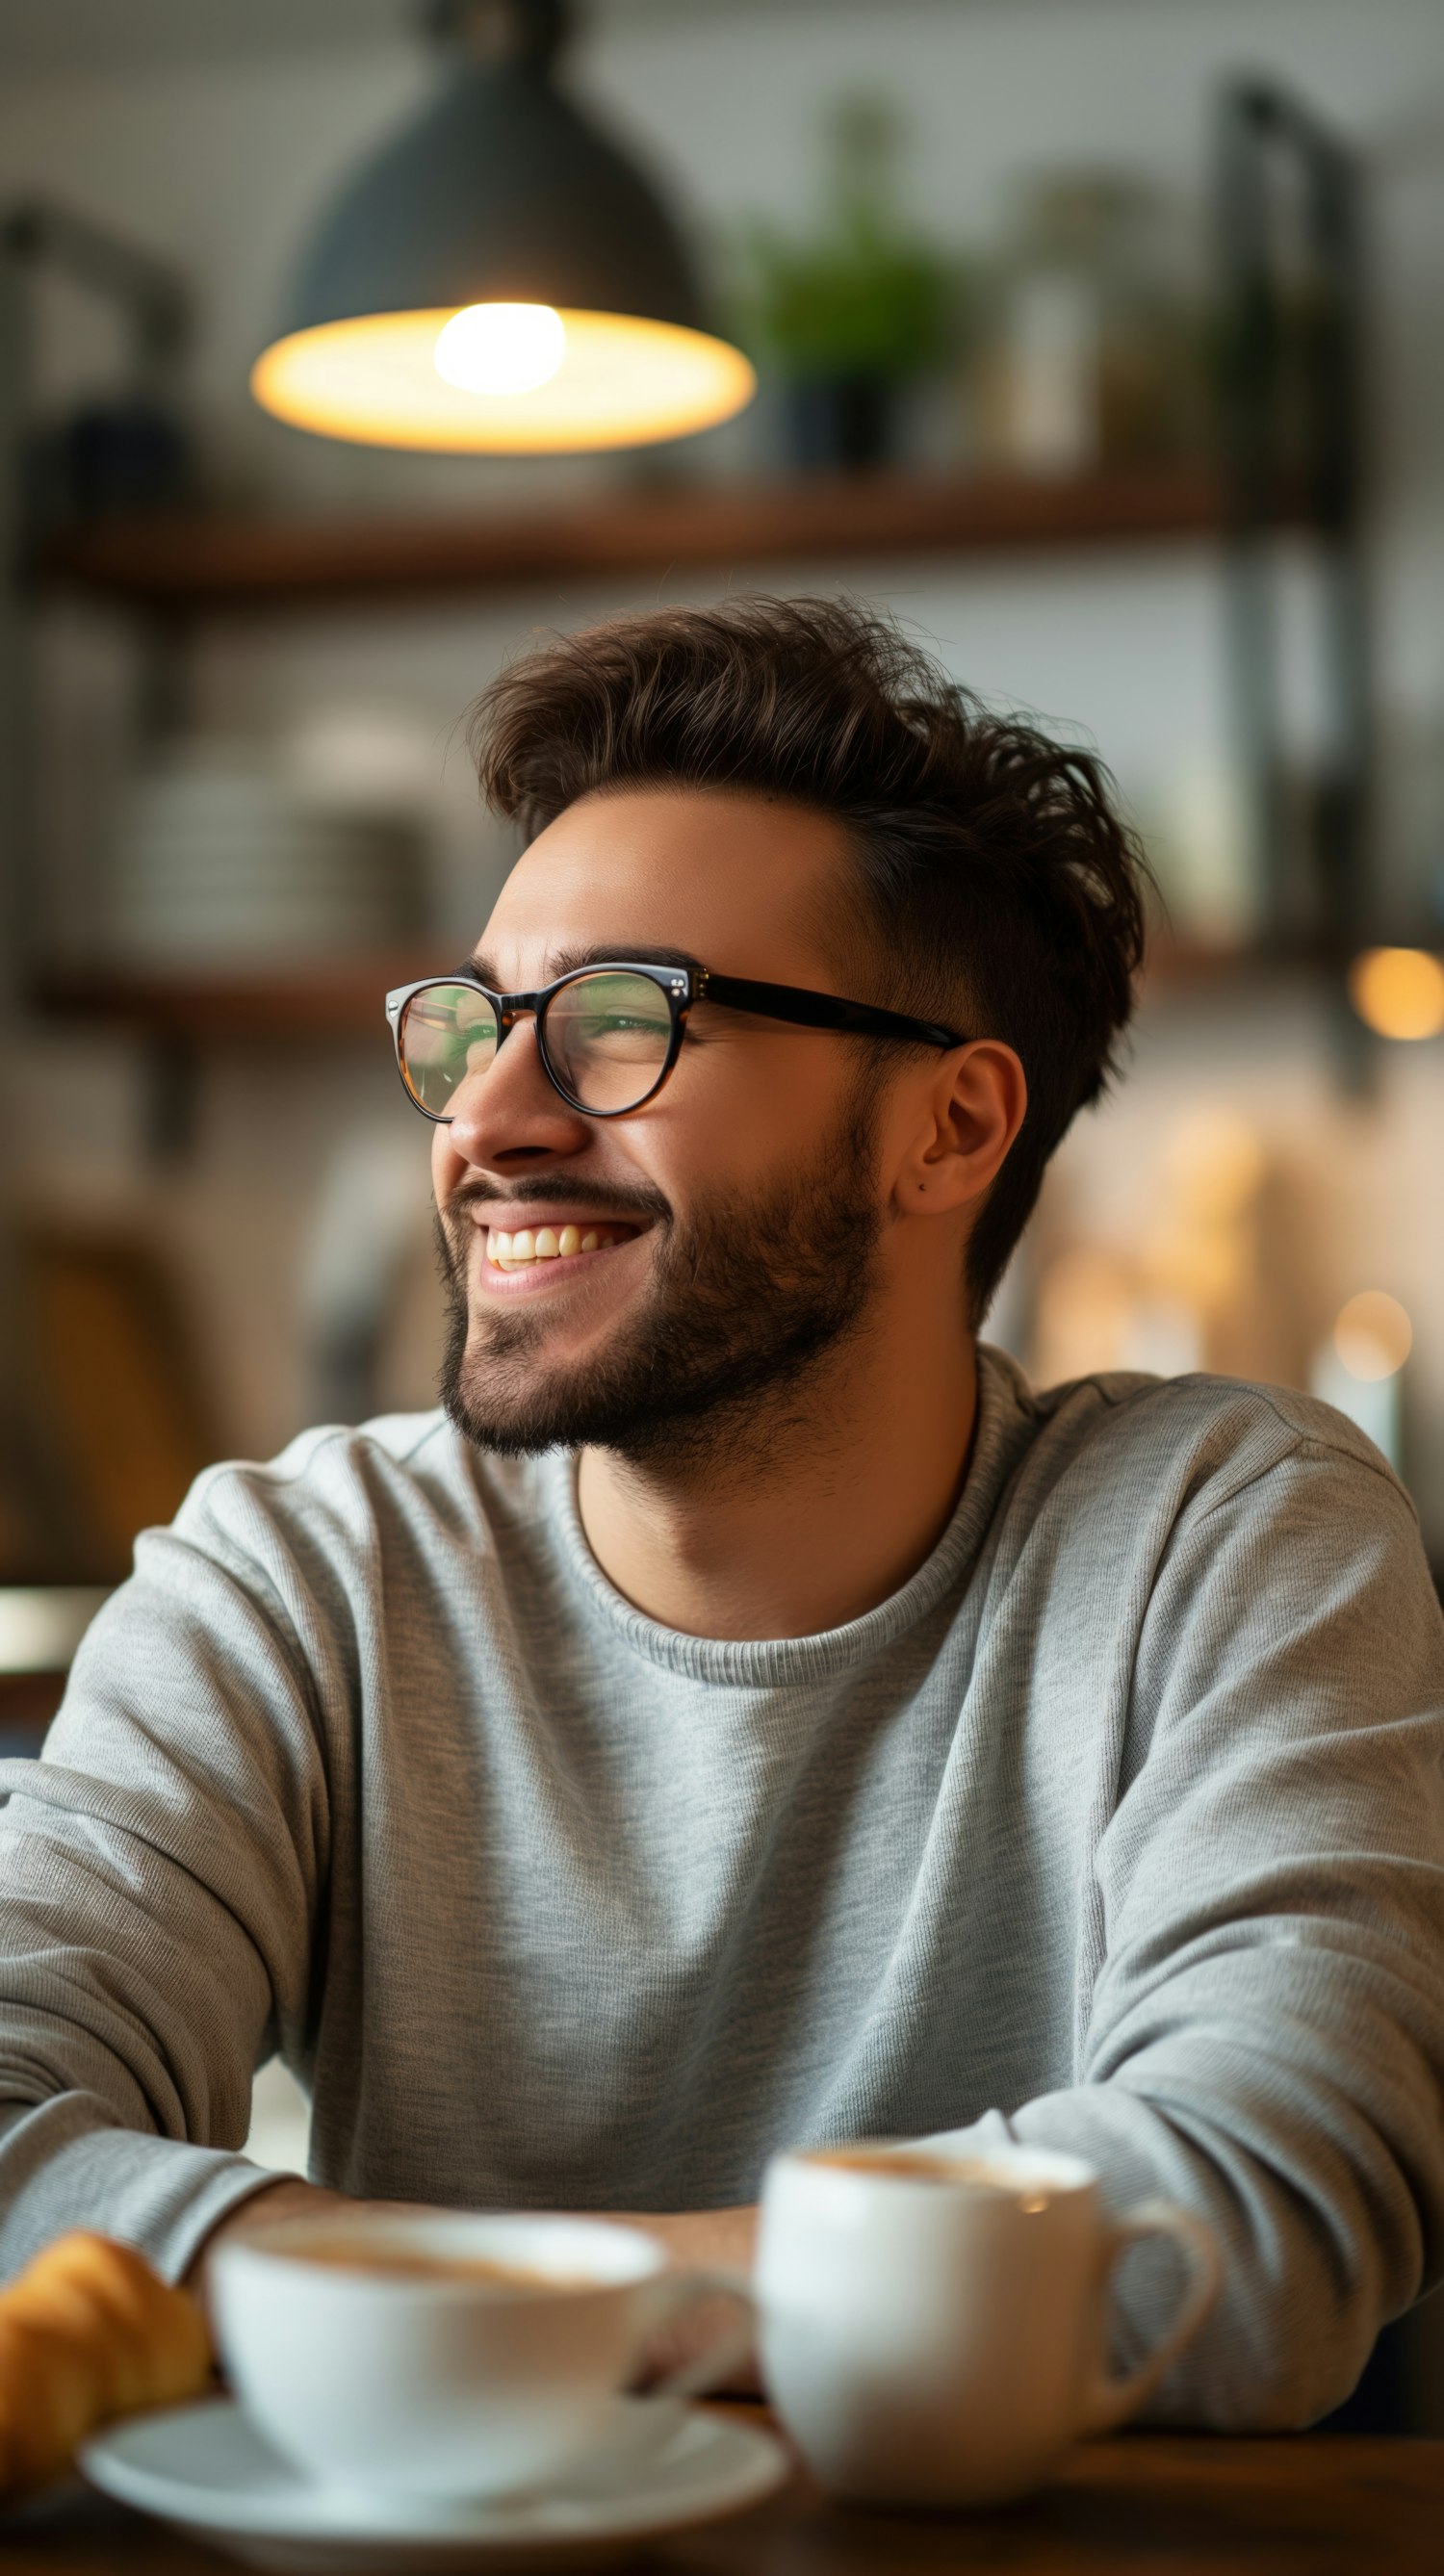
x,y
851,315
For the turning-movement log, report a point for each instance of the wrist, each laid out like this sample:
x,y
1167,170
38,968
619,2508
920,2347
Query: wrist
x,y
705,2239
286,2197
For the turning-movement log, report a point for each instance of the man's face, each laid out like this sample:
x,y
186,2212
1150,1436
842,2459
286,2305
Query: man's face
x,y
737,1214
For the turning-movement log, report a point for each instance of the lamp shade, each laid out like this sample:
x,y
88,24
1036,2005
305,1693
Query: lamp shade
x,y
505,221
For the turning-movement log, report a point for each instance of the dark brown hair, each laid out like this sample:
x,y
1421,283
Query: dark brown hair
x,y
993,884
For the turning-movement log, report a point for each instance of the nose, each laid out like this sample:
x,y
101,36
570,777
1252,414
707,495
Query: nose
x,y
510,1116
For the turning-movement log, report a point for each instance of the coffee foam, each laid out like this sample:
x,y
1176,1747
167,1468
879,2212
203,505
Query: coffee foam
x,y
390,2261
917,2164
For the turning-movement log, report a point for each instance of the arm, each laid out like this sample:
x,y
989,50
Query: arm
x,y
161,1869
1266,2031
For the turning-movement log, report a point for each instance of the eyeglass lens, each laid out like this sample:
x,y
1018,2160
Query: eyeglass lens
x,y
447,1032
605,1037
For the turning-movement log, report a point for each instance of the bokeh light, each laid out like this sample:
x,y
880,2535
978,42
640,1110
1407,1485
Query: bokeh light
x,y
1372,1335
1086,1309
1398,992
1216,1161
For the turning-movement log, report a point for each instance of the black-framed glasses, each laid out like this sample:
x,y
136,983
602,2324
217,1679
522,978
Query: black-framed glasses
x,y
608,1035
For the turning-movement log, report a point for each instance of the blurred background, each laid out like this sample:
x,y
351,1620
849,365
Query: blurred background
x,y
1098,339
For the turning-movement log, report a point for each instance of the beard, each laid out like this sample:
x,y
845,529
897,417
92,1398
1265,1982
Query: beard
x,y
747,1299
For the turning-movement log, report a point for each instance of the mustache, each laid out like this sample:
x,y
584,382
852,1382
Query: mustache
x,y
543,1189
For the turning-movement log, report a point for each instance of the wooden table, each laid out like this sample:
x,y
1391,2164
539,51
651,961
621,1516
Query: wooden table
x,y
1147,2505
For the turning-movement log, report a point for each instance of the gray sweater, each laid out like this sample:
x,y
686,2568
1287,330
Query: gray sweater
x,y
1120,1828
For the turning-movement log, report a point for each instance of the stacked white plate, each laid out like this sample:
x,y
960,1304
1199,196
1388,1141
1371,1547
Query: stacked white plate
x,y
225,858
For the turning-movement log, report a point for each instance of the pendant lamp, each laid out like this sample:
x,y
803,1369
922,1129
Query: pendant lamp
x,y
499,279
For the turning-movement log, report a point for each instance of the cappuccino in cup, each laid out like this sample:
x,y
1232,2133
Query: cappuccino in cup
x,y
933,2328
431,2359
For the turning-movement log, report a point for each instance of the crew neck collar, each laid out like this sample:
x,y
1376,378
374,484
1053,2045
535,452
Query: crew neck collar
x,y
1004,1406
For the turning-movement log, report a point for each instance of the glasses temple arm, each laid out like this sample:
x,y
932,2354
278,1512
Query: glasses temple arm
x,y
822,1011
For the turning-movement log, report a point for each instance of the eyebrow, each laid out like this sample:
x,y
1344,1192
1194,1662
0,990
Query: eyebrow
x,y
565,961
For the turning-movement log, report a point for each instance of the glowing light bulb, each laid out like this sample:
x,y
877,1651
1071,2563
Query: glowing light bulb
x,y
1398,992
501,348
1372,1335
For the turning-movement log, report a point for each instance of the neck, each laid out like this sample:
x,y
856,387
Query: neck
x,y
821,1517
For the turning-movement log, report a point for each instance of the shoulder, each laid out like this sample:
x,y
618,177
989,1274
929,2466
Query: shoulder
x,y
1172,1448
402,1481
1241,1551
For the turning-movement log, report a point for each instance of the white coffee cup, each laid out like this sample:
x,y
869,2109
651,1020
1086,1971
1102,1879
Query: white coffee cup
x,y
941,2341
438,2390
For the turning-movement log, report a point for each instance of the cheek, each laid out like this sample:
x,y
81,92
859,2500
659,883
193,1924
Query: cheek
x,y
746,1104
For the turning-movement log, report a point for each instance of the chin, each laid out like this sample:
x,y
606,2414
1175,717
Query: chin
x,y
519,1405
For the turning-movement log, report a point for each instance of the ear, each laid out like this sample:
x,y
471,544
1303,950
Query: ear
x,y
970,1118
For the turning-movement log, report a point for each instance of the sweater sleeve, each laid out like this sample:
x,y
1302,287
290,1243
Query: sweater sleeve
x,y
1265,2042
161,1868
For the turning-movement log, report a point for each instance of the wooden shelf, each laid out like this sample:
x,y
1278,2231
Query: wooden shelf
x,y
344,1000
193,565
330,1000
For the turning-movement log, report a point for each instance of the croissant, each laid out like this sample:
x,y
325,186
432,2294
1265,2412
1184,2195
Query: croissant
x,y
88,2331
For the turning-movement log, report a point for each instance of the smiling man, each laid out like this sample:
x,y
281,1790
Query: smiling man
x,y
747,1713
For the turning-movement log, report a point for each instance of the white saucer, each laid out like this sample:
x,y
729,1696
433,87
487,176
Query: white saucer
x,y
207,2469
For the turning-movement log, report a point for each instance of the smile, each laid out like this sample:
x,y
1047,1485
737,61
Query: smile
x,y
528,1246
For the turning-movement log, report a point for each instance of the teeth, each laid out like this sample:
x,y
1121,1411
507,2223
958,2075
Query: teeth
x,y
517,1251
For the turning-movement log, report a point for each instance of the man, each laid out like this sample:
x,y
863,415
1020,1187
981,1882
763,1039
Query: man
x,y
747,1713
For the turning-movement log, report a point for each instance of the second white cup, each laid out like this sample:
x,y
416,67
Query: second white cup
x,y
933,2330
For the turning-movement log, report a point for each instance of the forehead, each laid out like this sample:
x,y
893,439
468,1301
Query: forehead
x,y
746,883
